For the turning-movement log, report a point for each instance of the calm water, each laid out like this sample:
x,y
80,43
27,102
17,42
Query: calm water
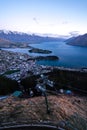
x,y
69,56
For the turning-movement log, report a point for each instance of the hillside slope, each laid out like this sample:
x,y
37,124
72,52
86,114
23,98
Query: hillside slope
x,y
67,112
78,41
5,43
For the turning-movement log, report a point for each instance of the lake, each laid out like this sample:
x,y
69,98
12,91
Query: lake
x,y
69,56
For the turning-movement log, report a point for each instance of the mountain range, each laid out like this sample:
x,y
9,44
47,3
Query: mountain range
x,y
12,39
80,40
17,37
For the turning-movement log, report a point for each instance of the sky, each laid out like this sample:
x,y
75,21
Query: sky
x,y
57,17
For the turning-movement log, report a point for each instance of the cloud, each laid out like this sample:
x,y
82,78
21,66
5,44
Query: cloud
x,y
65,22
35,20
74,33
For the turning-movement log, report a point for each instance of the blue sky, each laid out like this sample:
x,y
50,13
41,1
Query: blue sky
x,y
61,17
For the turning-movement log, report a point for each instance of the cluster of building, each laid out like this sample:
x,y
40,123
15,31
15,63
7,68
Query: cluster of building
x,y
16,65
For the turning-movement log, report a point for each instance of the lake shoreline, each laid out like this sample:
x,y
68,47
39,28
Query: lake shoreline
x,y
18,66
69,56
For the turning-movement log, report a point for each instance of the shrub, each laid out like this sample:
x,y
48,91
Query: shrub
x,y
7,85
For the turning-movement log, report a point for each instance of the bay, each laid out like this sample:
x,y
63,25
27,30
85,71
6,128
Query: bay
x,y
69,56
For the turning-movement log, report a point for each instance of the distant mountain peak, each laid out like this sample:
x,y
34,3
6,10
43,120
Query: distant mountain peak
x,y
5,31
25,37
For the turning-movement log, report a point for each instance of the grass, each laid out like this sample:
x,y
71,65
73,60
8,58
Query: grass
x,y
63,113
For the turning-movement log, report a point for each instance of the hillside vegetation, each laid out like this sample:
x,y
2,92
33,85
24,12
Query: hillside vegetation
x,y
67,112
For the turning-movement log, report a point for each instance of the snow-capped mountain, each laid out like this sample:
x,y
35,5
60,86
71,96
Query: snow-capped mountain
x,y
26,38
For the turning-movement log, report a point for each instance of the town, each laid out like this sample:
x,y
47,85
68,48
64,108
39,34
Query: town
x,y
17,65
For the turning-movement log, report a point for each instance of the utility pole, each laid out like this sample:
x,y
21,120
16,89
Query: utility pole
x,y
48,110
42,88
